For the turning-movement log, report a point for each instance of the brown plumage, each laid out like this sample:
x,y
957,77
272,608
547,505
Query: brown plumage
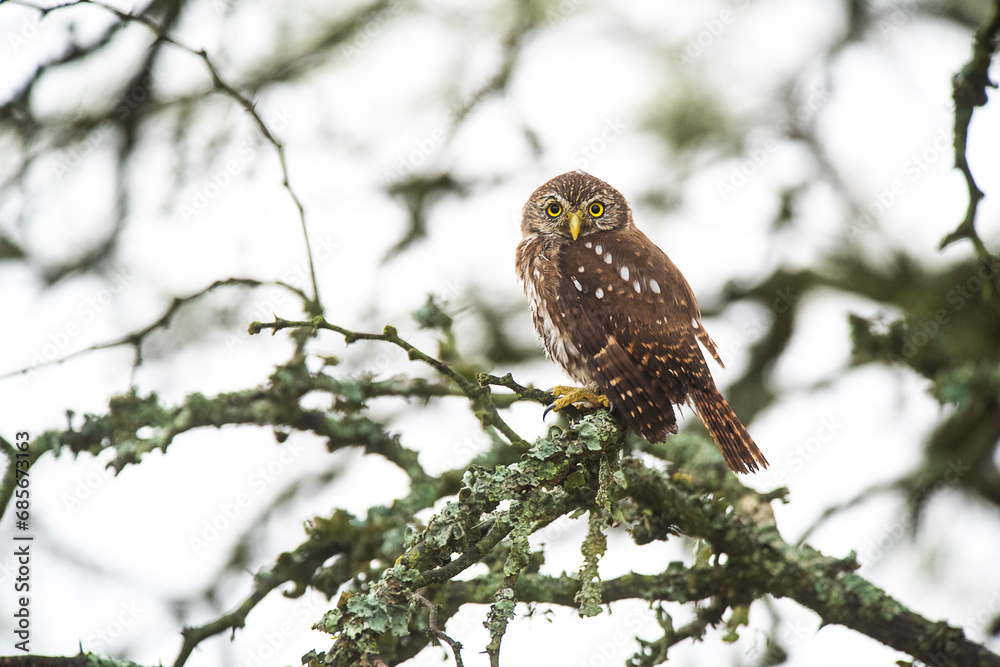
x,y
617,315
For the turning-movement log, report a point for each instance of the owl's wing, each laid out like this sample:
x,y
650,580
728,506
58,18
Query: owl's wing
x,y
636,321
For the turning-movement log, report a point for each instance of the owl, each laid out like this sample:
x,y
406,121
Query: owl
x,y
612,309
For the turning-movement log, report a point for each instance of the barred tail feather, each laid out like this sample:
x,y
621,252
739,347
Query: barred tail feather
x,y
732,438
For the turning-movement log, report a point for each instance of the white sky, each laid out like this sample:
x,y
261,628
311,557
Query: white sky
x,y
115,547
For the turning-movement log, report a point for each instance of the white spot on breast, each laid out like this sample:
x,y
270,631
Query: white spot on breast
x,y
655,286
577,284
607,258
659,321
589,244
581,271
637,286
599,293
624,273
598,249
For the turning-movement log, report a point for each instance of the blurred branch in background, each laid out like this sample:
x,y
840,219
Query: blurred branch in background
x,y
970,85
141,100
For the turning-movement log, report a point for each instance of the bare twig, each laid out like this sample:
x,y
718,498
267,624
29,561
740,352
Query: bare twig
x,y
136,338
456,647
479,396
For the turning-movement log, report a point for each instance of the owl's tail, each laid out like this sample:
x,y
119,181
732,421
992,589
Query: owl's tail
x,y
737,447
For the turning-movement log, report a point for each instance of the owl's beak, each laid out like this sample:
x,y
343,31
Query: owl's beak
x,y
575,223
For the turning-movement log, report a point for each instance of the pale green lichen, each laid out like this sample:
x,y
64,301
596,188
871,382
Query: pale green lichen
x,y
588,599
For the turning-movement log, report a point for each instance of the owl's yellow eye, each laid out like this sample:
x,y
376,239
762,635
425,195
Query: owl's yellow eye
x,y
553,209
597,209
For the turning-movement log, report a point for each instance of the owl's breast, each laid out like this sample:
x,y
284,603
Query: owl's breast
x,y
537,267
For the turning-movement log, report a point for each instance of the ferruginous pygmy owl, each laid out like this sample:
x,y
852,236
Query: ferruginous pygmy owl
x,y
618,316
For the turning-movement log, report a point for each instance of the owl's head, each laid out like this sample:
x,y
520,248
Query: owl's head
x,y
575,204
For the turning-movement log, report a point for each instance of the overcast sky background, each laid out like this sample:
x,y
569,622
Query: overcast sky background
x,y
114,549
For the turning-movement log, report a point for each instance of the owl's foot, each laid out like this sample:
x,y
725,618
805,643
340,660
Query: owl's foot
x,y
567,396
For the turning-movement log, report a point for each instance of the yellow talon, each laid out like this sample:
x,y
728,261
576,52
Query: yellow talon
x,y
571,395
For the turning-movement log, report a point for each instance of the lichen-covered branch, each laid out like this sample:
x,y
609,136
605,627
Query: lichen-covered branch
x,y
383,618
549,481
79,660
762,563
275,405
523,393
655,505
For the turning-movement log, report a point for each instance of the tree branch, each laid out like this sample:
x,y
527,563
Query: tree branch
x,y
522,392
969,91
479,396
135,339
764,563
